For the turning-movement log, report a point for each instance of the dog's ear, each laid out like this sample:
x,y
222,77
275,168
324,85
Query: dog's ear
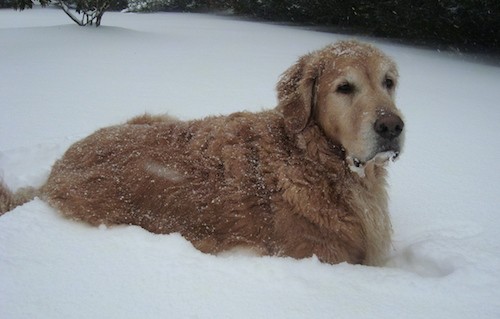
x,y
296,94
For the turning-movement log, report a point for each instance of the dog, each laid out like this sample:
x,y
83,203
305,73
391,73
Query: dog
x,y
305,178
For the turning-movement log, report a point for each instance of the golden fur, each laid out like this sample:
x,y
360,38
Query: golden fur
x,y
306,178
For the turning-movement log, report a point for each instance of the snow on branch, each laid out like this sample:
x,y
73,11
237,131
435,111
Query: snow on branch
x,y
82,12
86,12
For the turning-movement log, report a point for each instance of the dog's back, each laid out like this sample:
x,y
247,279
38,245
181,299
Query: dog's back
x,y
211,180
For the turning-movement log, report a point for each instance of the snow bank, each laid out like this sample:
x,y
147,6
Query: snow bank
x,y
60,82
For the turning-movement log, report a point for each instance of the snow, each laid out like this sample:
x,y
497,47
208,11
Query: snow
x,y
380,159
60,82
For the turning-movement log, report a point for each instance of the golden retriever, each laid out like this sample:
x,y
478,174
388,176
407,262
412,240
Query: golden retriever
x,y
306,178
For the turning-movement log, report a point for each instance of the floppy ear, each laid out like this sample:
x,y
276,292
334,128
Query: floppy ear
x,y
296,94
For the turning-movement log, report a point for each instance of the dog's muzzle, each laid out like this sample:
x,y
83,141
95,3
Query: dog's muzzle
x,y
388,128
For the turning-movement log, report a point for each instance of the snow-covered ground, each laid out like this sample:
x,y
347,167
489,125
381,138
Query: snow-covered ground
x,y
60,82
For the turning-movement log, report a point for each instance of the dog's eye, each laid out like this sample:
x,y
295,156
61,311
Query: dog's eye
x,y
388,83
345,88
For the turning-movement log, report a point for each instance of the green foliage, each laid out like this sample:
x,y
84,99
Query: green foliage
x,y
470,24
177,5
21,4
117,5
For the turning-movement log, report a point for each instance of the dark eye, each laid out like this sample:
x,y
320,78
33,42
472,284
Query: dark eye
x,y
389,83
345,88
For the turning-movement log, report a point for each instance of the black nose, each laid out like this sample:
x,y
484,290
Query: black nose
x,y
389,126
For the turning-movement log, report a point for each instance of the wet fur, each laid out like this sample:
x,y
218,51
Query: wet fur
x,y
276,182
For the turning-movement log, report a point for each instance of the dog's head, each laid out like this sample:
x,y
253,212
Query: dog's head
x,y
348,90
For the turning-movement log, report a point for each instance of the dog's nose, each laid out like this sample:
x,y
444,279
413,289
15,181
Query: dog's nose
x,y
389,125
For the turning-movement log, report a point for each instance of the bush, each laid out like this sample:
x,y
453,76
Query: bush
x,y
177,5
468,24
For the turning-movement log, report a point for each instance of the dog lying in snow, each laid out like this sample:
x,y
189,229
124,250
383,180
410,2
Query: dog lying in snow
x,y
306,178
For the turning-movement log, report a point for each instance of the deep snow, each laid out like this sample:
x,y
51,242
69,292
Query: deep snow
x,y
59,82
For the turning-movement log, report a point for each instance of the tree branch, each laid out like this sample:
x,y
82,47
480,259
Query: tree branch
x,y
66,10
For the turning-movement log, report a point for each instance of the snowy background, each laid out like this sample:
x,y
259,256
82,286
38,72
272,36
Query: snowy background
x,y
60,82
